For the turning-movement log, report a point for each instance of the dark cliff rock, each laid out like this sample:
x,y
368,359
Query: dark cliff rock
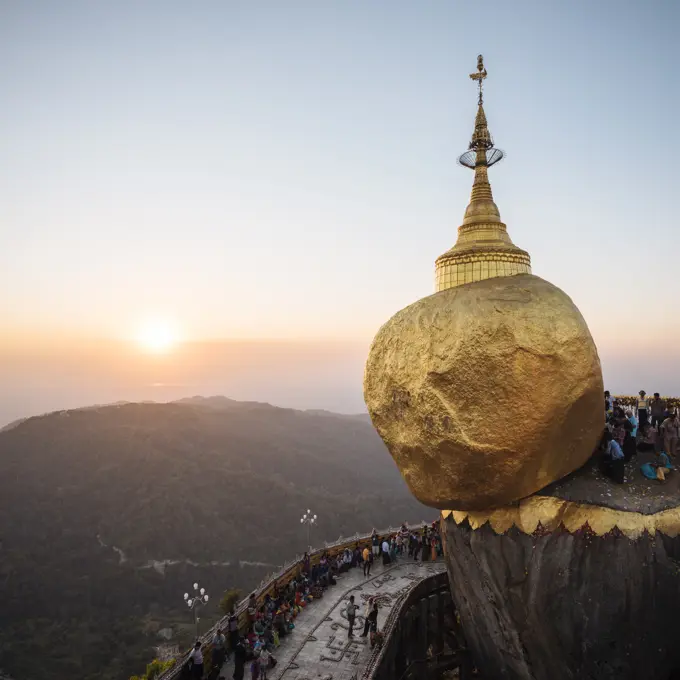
x,y
560,606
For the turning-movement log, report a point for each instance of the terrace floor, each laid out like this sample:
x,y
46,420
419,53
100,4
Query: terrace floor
x,y
637,494
319,648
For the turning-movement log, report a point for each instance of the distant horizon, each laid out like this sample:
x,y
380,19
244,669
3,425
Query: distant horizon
x,y
207,397
304,375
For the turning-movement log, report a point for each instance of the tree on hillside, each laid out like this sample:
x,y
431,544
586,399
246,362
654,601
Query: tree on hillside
x,y
155,669
230,599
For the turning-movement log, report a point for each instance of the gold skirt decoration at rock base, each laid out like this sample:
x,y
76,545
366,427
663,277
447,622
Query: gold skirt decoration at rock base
x,y
552,514
487,392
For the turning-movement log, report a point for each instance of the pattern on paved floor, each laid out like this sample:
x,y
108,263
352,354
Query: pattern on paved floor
x,y
319,648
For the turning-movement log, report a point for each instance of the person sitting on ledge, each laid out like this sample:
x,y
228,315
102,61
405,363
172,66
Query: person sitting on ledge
x,y
612,462
648,439
657,470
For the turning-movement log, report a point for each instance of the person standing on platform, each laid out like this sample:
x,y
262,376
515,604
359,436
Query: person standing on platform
x,y
629,446
385,553
375,540
424,546
367,610
240,655
265,660
255,668
416,546
351,611
608,404
643,411
670,429
233,631
373,624
196,657
219,643
368,561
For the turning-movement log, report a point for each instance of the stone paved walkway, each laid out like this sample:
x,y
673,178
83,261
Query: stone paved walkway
x,y
318,648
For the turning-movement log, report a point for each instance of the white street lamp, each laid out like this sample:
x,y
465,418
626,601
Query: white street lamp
x,y
195,602
309,520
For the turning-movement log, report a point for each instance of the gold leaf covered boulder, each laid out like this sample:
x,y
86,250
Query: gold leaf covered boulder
x,y
490,389
485,393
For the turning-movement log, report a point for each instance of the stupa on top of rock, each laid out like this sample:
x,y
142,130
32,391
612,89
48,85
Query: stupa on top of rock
x,y
484,249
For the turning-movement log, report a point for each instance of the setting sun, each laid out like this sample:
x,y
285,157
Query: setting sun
x,y
157,336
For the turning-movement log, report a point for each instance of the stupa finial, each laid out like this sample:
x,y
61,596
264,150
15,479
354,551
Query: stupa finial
x,y
479,76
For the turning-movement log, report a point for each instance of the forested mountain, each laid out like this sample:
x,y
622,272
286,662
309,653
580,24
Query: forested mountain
x,y
107,514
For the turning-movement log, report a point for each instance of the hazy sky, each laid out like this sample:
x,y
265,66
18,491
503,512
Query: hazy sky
x,y
286,170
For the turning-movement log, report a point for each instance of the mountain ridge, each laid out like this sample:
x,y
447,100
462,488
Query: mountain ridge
x,y
192,485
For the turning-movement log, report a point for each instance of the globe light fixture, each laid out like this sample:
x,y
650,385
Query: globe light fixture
x,y
309,520
200,599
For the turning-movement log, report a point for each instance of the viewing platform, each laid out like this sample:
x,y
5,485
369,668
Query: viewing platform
x,y
319,647
419,629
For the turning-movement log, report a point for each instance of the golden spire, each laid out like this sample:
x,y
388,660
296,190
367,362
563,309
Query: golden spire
x,y
483,249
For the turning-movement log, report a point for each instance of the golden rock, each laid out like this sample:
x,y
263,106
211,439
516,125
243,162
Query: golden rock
x,y
486,392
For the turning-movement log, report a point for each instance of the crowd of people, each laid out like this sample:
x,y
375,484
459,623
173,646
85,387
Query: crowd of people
x,y
651,425
273,618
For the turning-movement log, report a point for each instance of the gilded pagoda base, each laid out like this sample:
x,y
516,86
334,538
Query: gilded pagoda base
x,y
458,267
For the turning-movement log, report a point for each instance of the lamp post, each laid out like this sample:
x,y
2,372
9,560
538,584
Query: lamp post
x,y
198,599
308,519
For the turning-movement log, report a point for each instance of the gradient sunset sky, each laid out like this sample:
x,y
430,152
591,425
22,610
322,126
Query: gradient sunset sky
x,y
286,170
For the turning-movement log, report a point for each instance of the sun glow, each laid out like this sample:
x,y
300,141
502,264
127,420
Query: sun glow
x,y
157,337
